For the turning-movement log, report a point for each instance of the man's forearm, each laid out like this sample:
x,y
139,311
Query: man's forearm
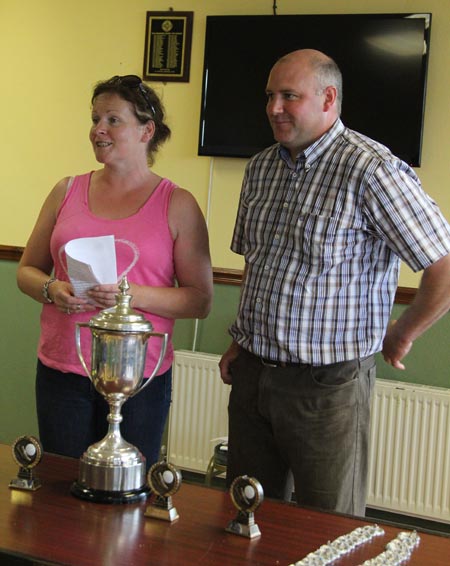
x,y
432,301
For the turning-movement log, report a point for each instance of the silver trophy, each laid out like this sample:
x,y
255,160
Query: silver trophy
x,y
113,470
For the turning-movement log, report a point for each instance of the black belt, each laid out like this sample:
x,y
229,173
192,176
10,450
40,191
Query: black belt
x,y
274,364
365,362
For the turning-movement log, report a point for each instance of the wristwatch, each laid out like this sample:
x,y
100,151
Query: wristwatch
x,y
45,290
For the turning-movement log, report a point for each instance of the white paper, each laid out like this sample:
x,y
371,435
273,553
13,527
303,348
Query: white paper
x,y
90,262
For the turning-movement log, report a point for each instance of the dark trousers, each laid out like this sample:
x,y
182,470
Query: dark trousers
x,y
313,421
72,415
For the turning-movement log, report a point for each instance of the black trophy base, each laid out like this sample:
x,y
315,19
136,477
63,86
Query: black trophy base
x,y
112,497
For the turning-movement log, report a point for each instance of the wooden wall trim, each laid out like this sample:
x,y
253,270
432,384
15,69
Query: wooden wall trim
x,y
404,295
227,276
12,253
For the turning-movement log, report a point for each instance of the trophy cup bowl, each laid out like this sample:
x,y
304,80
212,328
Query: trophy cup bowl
x,y
113,470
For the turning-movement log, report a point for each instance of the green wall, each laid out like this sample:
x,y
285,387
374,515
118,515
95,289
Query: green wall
x,y
19,334
428,363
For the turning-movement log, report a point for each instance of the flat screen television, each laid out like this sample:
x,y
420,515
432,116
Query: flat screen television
x,y
383,59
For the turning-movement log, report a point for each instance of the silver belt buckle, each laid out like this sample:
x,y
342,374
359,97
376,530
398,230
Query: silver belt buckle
x,y
268,364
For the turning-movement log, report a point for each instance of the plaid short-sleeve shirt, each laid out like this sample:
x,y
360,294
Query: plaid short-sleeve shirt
x,y
322,240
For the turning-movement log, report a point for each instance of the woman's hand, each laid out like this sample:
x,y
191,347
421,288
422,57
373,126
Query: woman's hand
x,y
104,296
61,293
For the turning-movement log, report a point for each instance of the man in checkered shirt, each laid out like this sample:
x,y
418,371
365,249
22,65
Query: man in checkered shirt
x,y
325,217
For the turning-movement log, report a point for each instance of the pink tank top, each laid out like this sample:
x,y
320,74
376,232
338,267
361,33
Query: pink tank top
x,y
144,252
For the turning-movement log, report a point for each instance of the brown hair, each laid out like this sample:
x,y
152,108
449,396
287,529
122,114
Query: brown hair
x,y
145,102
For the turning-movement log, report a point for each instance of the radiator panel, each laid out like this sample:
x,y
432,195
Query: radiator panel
x,y
198,413
410,450
410,436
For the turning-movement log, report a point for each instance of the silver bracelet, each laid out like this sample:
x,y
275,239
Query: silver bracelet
x,y
397,550
45,293
327,553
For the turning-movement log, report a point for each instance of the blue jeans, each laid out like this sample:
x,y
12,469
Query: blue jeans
x,y
311,421
72,415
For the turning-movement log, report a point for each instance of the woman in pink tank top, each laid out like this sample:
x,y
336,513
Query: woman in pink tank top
x,y
161,244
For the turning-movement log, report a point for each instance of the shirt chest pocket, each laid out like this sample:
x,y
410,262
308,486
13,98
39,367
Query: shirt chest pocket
x,y
326,240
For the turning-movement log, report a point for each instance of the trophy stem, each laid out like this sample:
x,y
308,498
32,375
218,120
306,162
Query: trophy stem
x,y
114,419
115,408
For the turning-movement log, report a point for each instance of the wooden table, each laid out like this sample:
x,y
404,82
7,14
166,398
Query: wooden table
x,y
52,526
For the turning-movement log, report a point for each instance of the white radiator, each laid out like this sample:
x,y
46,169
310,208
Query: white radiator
x,y
199,411
410,450
410,435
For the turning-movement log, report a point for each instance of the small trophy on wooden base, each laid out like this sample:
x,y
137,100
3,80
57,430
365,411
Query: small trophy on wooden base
x,y
165,481
247,495
27,453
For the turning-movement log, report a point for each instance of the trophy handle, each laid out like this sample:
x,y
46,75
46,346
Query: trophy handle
x,y
165,338
78,343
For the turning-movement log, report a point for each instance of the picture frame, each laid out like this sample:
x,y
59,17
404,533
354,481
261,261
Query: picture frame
x,y
168,41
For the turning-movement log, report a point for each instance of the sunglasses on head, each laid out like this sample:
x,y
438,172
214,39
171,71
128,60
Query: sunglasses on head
x,y
133,81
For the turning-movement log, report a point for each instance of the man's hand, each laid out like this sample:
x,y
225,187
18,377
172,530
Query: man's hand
x,y
394,347
229,356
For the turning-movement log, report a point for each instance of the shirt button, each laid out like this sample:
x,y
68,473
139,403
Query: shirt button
x,y
285,204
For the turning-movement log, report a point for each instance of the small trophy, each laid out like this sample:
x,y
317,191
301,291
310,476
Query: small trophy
x,y
247,495
165,480
27,453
